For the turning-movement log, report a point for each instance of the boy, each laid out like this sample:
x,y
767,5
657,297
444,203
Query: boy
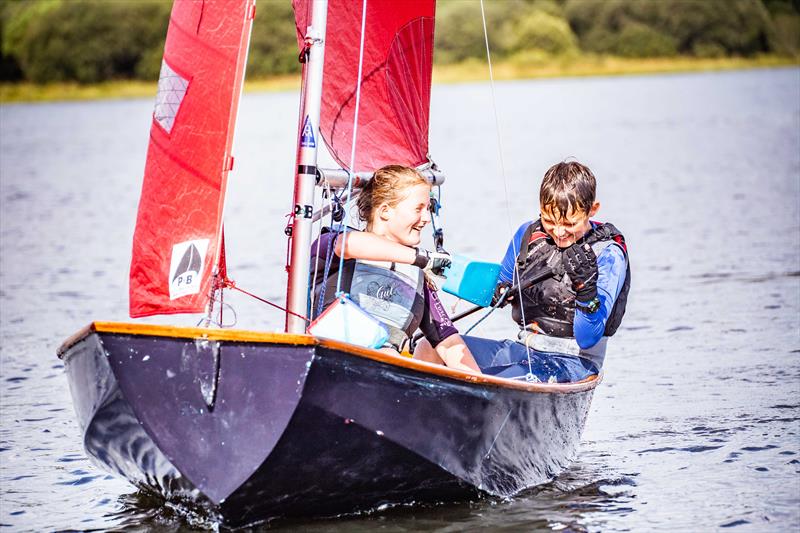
x,y
566,277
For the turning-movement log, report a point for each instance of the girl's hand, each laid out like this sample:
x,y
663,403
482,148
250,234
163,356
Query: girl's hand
x,y
433,262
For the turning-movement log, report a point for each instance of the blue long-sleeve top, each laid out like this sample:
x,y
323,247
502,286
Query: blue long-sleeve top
x,y
588,328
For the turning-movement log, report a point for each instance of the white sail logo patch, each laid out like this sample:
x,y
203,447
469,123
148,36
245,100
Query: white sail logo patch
x,y
186,268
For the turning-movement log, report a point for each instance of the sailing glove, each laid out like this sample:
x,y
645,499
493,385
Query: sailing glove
x,y
580,263
433,262
499,298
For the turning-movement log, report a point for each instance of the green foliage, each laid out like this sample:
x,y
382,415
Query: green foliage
x,y
15,16
786,7
786,37
516,27
459,29
638,40
652,28
538,30
90,41
273,44
97,40
554,8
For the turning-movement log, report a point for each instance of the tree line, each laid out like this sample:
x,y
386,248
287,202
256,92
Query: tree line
x,y
89,41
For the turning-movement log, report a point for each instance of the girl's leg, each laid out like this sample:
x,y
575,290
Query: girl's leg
x,y
425,352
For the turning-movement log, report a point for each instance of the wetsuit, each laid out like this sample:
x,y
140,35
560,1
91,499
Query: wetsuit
x,y
396,294
554,351
588,329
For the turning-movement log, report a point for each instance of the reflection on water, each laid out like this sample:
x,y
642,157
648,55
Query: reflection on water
x,y
696,424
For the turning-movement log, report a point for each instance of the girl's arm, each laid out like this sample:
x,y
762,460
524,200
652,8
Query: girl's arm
x,y
365,245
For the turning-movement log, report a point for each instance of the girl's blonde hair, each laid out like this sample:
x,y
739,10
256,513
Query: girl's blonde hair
x,y
388,185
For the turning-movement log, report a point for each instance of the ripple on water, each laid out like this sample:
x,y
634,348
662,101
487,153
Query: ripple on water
x,y
705,430
759,448
735,523
692,449
80,481
680,328
71,458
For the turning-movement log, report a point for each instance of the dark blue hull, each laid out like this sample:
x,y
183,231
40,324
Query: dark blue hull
x,y
258,429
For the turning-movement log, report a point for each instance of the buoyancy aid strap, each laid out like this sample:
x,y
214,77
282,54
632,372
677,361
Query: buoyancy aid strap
x,y
531,234
608,232
524,245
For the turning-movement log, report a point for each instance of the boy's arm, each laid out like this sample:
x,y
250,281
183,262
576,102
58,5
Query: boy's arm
x,y
611,267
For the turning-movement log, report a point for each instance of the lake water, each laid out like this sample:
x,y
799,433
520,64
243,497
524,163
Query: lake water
x,y
697,424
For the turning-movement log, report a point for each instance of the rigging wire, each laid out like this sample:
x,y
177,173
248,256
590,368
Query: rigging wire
x,y
351,171
303,58
326,192
505,181
264,300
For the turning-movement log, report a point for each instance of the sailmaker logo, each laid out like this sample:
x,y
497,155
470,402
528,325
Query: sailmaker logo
x,y
186,268
307,136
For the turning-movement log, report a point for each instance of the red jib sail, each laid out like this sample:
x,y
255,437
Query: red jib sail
x,y
396,80
177,237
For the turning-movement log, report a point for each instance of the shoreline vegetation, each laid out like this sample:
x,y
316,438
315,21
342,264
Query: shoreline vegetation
x,y
470,70
57,50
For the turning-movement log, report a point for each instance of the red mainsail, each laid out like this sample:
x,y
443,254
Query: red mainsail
x,y
396,80
177,237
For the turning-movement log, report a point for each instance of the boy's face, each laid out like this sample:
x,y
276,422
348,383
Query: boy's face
x,y
566,230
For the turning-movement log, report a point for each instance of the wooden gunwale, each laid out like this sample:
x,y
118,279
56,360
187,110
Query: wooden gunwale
x,y
239,335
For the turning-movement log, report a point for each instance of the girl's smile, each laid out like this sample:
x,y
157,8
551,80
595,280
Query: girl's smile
x,y
405,221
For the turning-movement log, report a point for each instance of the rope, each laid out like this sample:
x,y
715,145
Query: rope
x,y
231,285
505,181
350,171
484,317
207,322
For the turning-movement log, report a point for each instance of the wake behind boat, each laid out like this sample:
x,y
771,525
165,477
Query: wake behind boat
x,y
261,425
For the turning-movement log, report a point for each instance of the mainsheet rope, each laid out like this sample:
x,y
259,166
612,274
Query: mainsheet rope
x,y
351,171
505,187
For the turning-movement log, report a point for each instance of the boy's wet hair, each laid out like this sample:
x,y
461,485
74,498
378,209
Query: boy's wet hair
x,y
567,185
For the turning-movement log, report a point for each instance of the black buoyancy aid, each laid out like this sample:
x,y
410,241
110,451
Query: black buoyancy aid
x,y
393,293
550,303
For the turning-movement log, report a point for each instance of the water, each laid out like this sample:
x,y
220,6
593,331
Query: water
x,y
697,423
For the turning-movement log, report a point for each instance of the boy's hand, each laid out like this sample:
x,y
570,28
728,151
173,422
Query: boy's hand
x,y
580,263
499,293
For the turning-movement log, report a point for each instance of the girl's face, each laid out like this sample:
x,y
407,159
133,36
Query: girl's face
x,y
404,222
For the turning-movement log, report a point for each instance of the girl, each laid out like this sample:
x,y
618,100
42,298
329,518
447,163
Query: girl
x,y
385,271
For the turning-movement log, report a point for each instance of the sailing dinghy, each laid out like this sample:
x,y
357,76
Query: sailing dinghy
x,y
256,425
